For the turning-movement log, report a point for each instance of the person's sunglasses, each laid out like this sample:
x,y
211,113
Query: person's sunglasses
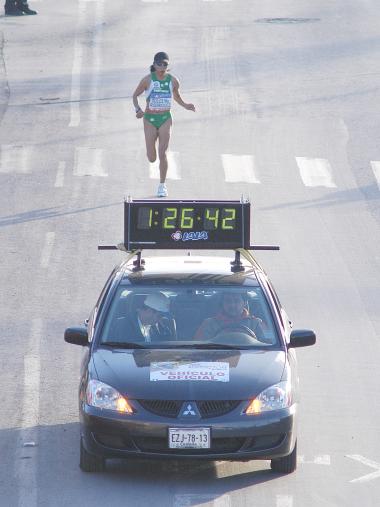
x,y
161,64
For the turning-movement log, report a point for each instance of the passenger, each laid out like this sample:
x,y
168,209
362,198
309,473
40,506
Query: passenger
x,y
150,321
233,315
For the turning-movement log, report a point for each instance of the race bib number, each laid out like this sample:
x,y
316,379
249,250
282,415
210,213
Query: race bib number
x,y
160,101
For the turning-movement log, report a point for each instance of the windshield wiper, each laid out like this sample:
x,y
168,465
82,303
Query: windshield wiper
x,y
123,345
208,346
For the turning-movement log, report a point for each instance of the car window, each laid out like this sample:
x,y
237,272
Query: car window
x,y
229,316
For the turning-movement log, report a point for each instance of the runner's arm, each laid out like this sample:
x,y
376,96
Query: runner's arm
x,y
177,97
141,87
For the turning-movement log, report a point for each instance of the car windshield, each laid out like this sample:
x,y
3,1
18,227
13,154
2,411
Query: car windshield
x,y
196,317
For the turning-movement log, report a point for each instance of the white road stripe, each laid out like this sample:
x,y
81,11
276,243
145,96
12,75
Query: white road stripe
x,y
26,454
368,462
59,179
239,168
77,68
15,159
47,249
153,1
376,171
96,61
315,172
207,500
174,167
284,501
323,459
89,162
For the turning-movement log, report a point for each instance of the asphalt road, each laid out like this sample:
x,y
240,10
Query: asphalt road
x,y
287,96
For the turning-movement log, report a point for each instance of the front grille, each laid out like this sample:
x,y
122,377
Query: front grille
x,y
207,409
165,408
160,445
216,408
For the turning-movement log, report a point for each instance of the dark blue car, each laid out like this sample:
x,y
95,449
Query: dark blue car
x,y
189,359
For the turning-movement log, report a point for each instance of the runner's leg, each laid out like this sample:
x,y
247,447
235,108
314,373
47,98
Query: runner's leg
x,y
151,134
163,144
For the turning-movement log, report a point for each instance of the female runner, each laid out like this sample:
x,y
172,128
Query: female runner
x,y
159,87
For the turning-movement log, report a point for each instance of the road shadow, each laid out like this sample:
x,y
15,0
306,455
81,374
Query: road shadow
x,y
50,454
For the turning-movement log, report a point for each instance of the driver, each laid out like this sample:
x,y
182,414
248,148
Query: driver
x,y
233,315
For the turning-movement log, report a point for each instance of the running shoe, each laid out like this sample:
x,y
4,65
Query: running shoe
x,y
162,191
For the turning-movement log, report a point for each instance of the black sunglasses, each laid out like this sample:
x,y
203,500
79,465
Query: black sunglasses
x,y
161,64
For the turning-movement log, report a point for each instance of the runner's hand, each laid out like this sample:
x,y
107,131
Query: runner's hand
x,y
139,114
190,107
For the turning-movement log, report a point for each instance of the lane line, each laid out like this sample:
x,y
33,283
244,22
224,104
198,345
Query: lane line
x,y
26,453
96,61
47,249
315,172
77,67
60,178
89,162
239,168
15,159
174,170
376,171
154,1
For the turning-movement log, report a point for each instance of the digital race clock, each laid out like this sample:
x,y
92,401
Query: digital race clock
x,y
186,224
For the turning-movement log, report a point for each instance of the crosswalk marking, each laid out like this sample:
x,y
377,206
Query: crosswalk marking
x,y
315,172
89,162
174,168
239,168
15,159
375,164
323,459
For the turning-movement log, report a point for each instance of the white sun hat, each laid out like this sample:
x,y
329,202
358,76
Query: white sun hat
x,y
158,302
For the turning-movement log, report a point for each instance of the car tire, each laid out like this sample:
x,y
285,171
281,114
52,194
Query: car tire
x,y
90,462
286,464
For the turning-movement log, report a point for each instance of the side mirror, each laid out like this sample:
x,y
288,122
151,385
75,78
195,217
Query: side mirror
x,y
77,336
302,338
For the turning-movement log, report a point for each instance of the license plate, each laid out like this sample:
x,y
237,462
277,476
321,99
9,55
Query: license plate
x,y
189,438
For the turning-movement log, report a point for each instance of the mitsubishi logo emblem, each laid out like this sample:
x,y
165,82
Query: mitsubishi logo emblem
x,y
189,410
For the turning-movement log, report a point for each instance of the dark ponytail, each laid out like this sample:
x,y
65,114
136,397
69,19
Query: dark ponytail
x,y
152,68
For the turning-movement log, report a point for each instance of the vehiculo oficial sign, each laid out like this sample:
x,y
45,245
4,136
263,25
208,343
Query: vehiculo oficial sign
x,y
201,371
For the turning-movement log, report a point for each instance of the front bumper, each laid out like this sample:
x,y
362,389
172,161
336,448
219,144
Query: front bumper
x,y
235,437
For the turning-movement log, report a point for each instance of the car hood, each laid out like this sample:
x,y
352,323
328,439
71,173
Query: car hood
x,y
188,374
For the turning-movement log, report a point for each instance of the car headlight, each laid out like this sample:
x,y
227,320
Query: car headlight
x,y
273,398
103,396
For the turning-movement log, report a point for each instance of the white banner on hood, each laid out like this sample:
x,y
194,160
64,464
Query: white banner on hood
x,y
176,370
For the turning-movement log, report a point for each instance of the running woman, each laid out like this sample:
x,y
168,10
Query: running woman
x,y
159,87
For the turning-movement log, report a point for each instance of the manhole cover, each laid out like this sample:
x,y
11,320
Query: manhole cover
x,y
286,21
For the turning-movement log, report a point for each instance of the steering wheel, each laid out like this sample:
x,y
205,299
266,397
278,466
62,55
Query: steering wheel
x,y
237,327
